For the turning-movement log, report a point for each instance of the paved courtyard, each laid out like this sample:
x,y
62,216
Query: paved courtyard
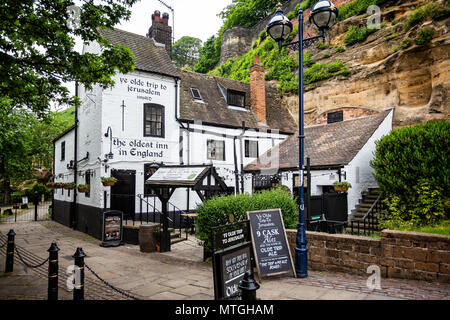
x,y
177,275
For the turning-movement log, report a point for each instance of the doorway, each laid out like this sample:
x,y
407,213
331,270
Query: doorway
x,y
123,192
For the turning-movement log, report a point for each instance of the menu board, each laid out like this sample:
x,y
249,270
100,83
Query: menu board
x,y
112,228
229,269
270,244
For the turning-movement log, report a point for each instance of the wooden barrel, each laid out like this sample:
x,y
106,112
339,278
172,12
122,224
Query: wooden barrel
x,y
147,241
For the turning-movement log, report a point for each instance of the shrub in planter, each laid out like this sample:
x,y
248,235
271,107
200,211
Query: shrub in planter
x,y
216,211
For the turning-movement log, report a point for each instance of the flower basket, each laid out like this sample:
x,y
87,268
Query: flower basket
x,y
69,186
83,188
108,181
58,185
341,186
51,185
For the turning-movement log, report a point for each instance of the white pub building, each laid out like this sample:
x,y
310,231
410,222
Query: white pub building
x,y
156,116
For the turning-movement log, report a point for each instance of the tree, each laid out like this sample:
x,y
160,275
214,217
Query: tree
x,y
209,55
247,12
15,147
185,52
37,49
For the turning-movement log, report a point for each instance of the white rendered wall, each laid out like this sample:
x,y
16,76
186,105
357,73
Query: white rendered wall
x,y
62,174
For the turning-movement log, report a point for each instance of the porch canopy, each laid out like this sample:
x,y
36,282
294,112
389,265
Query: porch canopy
x,y
203,179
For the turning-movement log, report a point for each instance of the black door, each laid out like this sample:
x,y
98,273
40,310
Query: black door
x,y
123,192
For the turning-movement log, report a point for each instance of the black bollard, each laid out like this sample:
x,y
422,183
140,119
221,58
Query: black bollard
x,y
36,204
78,290
53,272
9,265
248,286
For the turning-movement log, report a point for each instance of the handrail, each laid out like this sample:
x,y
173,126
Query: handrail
x,y
373,206
139,195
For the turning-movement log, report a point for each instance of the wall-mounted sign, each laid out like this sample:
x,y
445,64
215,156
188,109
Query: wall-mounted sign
x,y
270,244
112,233
177,174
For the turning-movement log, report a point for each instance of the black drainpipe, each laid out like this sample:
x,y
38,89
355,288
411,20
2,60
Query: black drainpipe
x,y
236,174
75,165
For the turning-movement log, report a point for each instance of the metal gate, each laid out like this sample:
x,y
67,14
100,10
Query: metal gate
x,y
328,212
30,212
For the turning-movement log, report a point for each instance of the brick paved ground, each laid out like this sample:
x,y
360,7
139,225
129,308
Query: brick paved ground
x,y
179,274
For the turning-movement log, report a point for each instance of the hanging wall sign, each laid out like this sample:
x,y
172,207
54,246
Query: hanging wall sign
x,y
112,233
270,243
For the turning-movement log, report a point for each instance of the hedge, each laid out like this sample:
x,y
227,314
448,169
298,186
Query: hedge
x,y
216,211
412,168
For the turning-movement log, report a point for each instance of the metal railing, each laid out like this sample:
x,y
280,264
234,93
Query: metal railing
x,y
369,224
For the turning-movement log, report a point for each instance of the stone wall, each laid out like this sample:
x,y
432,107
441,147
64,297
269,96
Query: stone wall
x,y
399,254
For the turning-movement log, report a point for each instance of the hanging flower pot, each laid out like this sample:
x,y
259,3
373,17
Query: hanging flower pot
x,y
50,185
58,185
83,188
341,186
108,181
69,186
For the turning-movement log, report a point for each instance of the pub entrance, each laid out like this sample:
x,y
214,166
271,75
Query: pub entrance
x,y
123,192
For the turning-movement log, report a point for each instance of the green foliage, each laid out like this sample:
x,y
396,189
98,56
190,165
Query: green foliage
x,y
214,212
39,56
185,51
412,168
358,7
343,184
322,71
247,12
320,45
425,35
209,55
262,35
433,11
326,55
340,49
291,15
355,35
307,4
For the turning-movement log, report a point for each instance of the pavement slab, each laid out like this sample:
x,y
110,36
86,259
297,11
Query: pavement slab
x,y
176,275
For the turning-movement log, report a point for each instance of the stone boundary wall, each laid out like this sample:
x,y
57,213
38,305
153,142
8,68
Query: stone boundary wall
x,y
399,254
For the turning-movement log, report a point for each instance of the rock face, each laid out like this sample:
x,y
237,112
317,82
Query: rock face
x,y
415,80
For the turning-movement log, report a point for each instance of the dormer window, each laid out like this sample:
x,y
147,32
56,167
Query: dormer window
x,y
196,94
236,98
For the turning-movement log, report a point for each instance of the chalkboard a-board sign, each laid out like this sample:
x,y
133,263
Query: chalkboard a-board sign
x,y
112,231
230,266
270,244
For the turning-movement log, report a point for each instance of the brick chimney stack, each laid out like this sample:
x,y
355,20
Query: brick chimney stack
x,y
258,91
160,30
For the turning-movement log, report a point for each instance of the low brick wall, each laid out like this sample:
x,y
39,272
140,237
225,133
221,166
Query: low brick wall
x,y
399,254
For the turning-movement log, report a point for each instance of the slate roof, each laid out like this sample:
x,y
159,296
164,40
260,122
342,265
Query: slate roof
x,y
215,110
148,56
328,145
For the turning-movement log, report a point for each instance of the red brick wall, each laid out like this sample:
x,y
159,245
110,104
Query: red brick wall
x,y
258,91
399,254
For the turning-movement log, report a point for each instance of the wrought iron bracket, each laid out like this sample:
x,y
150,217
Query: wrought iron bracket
x,y
307,42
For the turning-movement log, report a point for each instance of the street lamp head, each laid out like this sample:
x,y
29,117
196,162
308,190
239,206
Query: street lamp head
x,y
324,15
279,27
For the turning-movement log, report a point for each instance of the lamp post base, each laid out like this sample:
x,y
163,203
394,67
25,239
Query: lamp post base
x,y
301,262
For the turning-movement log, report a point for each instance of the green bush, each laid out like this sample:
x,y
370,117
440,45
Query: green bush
x,y
425,35
355,35
432,11
216,211
412,168
340,49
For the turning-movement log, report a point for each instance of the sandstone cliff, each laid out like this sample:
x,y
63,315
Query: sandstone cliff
x,y
413,78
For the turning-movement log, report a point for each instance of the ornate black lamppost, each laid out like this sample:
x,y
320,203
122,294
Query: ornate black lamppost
x,y
323,15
